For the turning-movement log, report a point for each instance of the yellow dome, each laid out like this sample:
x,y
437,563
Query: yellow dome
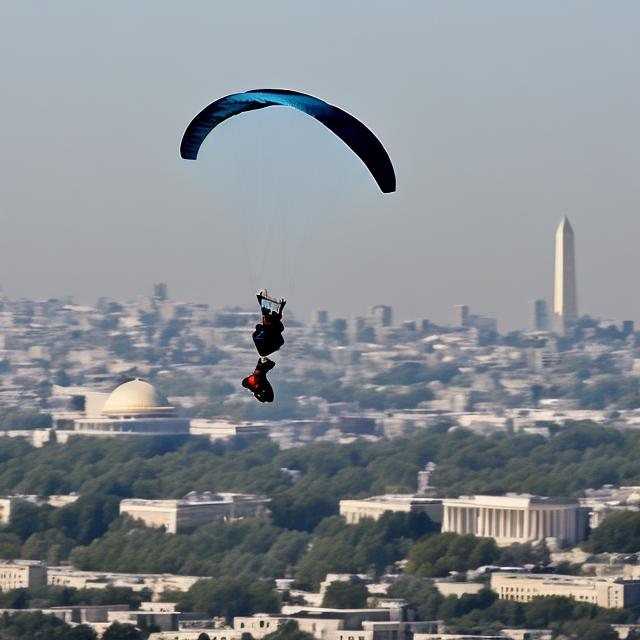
x,y
136,397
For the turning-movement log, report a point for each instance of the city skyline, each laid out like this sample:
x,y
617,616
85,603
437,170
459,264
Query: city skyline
x,y
486,163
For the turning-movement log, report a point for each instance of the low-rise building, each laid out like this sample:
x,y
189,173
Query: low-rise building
x,y
610,593
197,634
156,583
195,509
338,624
7,503
22,574
528,634
448,587
354,510
516,518
601,502
225,430
456,636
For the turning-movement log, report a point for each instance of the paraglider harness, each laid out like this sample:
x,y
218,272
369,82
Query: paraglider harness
x,y
267,338
268,335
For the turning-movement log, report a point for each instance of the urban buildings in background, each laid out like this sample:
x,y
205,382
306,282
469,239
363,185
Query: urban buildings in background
x,y
195,509
607,592
142,368
538,315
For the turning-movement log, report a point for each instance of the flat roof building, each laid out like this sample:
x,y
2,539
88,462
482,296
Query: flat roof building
x,y
610,593
354,510
156,583
194,509
22,574
516,518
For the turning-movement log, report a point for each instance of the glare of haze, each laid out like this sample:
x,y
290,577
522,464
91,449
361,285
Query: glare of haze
x,y
499,117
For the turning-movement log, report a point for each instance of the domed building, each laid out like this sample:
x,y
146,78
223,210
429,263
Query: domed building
x,y
135,407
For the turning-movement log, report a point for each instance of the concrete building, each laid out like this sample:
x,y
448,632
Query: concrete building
x,y
194,509
538,315
200,633
354,510
134,407
156,583
6,507
461,315
7,503
22,574
610,593
338,624
425,488
382,315
456,636
225,430
601,502
565,299
516,518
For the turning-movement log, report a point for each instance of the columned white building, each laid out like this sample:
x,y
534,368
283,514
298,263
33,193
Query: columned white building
x,y
515,518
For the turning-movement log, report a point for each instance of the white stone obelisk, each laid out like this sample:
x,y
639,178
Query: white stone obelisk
x,y
565,299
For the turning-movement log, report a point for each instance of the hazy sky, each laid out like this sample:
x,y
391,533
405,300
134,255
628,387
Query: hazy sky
x,y
500,117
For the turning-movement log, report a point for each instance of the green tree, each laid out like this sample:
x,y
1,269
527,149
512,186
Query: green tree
x,y
229,597
350,594
119,631
289,631
419,592
442,553
619,532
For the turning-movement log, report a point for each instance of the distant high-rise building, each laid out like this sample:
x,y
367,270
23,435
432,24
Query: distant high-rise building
x,y
319,316
538,315
565,300
160,291
461,315
382,315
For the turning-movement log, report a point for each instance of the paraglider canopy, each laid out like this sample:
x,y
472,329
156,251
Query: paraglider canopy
x,y
350,130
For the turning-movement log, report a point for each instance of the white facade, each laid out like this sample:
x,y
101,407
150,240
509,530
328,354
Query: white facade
x,y
601,502
7,503
225,430
134,407
157,583
611,593
354,510
194,509
196,634
565,299
22,574
515,518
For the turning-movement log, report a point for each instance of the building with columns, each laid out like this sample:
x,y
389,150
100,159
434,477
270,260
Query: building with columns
x,y
516,518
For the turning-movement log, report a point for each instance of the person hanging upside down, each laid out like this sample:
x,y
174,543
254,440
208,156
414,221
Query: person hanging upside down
x,y
268,334
257,382
268,338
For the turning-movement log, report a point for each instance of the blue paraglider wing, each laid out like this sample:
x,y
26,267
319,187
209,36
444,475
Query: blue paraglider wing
x,y
350,130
